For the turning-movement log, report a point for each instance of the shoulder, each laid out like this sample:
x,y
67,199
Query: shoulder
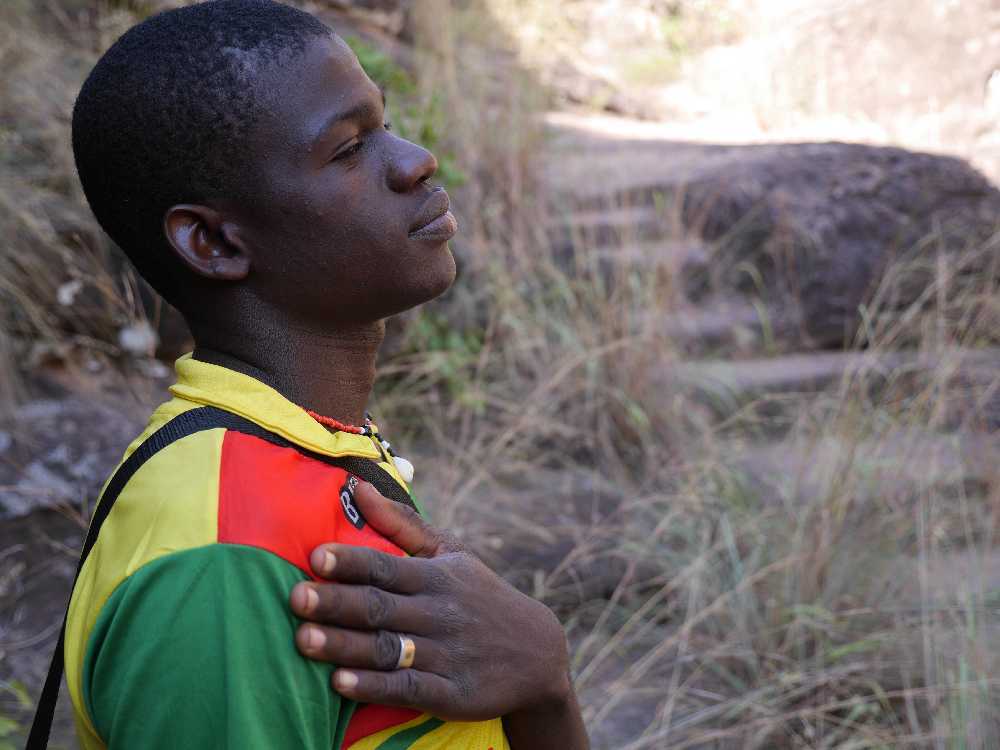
x,y
197,647
225,486
287,501
187,490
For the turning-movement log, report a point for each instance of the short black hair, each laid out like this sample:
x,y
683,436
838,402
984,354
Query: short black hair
x,y
164,116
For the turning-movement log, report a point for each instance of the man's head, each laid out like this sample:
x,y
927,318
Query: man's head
x,y
236,151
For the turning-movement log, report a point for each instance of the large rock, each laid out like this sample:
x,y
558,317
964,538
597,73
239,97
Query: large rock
x,y
823,222
812,226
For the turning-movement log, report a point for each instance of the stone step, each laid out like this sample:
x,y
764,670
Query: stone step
x,y
662,196
889,468
737,324
796,373
666,257
770,395
584,164
599,229
654,253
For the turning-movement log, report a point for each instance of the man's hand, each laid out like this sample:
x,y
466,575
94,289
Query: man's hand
x,y
483,649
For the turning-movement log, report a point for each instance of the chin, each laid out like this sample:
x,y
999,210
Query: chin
x,y
432,279
445,276
432,273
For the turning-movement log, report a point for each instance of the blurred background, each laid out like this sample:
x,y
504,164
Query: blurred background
x,y
719,380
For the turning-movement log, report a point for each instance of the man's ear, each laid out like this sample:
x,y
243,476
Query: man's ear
x,y
208,245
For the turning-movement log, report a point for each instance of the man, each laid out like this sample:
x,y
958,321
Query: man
x,y
237,152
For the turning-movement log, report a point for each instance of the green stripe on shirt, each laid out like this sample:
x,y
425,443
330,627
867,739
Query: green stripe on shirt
x,y
196,650
407,737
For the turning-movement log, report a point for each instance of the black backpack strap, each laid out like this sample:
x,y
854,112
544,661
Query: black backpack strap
x,y
363,468
188,423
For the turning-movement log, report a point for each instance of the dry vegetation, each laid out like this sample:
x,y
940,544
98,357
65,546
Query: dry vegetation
x,y
845,603
64,295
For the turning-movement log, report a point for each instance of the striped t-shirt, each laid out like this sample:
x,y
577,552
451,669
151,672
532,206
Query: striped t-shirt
x,y
180,633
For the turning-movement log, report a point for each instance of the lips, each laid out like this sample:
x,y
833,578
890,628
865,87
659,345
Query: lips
x,y
434,221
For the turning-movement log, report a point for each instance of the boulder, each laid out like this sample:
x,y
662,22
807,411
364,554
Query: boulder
x,y
821,224
811,227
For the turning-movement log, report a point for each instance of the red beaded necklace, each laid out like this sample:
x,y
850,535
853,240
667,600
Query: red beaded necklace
x,y
404,467
336,424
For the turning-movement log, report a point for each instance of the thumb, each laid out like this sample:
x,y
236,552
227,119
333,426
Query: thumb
x,y
402,525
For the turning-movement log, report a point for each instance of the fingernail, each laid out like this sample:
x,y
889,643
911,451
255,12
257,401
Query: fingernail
x,y
345,680
315,638
324,561
304,599
329,562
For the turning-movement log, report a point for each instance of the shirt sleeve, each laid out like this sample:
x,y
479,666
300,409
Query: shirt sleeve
x,y
196,650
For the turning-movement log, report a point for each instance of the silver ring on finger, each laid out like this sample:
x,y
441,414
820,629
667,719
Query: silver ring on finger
x,y
407,652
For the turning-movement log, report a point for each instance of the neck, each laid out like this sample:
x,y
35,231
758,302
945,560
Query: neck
x,y
330,372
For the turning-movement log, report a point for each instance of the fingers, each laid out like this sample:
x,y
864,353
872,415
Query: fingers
x,y
402,525
363,650
369,567
407,688
362,607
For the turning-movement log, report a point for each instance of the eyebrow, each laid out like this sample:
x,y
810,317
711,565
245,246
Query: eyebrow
x,y
360,111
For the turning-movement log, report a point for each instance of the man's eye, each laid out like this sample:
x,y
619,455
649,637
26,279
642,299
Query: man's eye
x,y
348,152
357,146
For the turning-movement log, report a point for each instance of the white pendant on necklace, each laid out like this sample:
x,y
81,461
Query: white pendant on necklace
x,y
404,467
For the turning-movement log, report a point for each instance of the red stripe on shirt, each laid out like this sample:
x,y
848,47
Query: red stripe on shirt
x,y
370,719
277,499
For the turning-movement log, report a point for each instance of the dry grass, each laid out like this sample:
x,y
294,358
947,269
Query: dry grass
x,y
707,610
64,294
845,602
848,603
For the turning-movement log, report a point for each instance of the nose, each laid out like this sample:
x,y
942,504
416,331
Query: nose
x,y
410,165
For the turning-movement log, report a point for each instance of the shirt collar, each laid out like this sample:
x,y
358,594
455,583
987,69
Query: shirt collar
x,y
213,385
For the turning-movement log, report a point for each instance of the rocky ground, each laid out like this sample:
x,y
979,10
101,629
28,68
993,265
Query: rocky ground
x,y
56,451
